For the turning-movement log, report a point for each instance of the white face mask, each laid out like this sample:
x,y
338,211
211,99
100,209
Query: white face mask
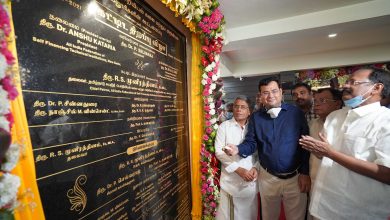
x,y
274,112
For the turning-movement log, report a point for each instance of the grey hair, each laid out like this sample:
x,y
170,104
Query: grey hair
x,y
245,99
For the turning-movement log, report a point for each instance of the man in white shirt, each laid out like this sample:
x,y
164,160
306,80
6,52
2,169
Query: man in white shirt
x,y
353,181
325,101
238,197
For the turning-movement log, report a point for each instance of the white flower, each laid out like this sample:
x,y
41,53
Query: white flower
x,y
205,76
211,100
204,81
216,58
210,91
5,105
4,123
11,158
213,86
9,185
206,4
212,105
208,68
216,126
3,66
212,65
214,77
213,120
212,112
181,6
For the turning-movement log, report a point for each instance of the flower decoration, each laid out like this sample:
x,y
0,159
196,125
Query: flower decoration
x,y
322,77
209,22
9,153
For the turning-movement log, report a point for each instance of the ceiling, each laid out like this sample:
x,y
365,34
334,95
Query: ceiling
x,y
271,36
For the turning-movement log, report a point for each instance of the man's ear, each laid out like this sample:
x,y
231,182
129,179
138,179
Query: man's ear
x,y
378,88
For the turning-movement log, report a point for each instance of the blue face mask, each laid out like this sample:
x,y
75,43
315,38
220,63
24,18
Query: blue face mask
x,y
356,101
229,115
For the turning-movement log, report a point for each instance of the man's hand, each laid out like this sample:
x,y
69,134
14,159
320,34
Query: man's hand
x,y
254,173
247,175
243,173
304,183
319,148
230,149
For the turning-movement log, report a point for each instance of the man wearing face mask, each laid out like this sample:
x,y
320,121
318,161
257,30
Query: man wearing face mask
x,y
228,113
353,181
284,172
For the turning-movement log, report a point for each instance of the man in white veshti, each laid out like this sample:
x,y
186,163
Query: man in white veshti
x,y
238,175
353,181
325,101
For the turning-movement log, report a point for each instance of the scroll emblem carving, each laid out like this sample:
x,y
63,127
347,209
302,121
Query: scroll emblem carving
x,y
77,196
43,22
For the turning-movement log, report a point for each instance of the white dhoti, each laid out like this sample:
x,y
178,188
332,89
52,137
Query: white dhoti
x,y
237,208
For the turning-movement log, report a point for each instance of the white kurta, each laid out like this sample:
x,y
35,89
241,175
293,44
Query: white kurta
x,y
244,193
316,125
340,193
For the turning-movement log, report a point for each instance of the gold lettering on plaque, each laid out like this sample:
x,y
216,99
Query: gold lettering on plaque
x,y
141,147
43,22
77,196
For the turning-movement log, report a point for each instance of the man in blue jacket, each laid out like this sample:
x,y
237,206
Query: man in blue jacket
x,y
284,172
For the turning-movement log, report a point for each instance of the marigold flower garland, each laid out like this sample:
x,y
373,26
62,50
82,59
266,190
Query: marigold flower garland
x,y
9,153
210,23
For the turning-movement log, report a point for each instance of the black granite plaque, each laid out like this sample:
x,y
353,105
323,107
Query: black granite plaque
x,y
104,86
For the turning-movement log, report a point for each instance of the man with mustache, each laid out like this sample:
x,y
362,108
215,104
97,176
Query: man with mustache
x,y
274,133
303,98
238,196
353,181
325,101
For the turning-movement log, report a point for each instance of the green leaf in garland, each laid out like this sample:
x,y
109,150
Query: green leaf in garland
x,y
6,215
207,12
210,142
197,18
215,4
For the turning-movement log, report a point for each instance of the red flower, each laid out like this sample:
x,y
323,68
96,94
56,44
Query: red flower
x,y
10,119
204,61
7,54
206,41
7,86
206,49
211,57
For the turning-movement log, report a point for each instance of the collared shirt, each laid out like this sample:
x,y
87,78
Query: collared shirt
x,y
310,115
230,132
339,193
277,140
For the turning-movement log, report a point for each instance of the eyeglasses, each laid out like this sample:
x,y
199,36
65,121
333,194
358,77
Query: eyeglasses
x,y
356,82
267,93
240,107
323,101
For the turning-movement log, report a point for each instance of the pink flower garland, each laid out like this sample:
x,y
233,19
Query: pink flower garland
x,y
211,49
7,117
6,82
